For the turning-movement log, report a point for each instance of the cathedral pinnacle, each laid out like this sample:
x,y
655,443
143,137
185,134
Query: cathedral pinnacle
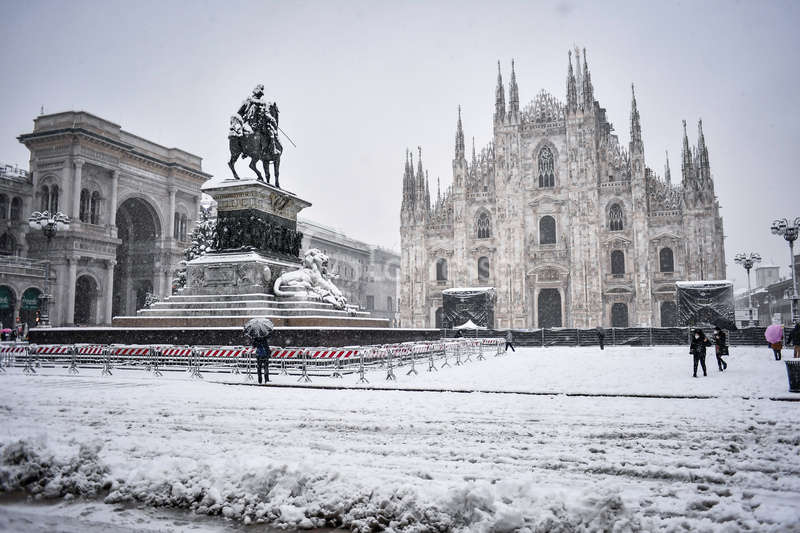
x,y
513,95
667,175
572,91
500,98
588,89
637,146
459,138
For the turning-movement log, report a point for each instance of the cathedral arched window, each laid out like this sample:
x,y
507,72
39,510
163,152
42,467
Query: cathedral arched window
x,y
617,262
616,218
666,260
547,176
483,269
3,206
441,270
547,230
484,226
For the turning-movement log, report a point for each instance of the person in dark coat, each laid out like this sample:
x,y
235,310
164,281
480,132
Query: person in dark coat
x,y
721,348
601,335
261,345
509,341
794,340
698,349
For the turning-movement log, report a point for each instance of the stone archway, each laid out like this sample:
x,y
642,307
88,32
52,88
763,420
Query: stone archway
x,y
139,229
85,301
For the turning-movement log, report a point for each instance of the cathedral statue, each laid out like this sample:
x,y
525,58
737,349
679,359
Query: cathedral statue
x,y
253,133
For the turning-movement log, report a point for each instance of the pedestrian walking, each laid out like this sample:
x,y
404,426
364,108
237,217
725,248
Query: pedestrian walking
x,y
794,340
776,349
721,348
698,349
601,335
509,341
261,344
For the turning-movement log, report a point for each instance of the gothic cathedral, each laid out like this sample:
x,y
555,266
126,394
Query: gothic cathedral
x,y
570,228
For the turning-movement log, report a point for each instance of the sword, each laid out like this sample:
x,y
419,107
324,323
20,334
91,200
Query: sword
x,y
287,137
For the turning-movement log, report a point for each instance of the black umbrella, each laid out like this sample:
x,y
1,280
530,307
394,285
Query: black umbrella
x,y
723,323
258,328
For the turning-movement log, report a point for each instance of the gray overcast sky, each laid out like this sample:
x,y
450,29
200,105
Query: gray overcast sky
x,y
359,82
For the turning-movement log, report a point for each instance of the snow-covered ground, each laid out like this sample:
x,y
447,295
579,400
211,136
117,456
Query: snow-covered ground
x,y
544,439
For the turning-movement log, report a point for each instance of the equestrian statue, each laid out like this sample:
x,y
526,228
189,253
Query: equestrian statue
x,y
253,133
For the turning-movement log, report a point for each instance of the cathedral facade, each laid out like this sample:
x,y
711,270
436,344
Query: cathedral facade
x,y
568,226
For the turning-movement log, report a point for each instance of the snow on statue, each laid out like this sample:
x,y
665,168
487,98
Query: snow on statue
x,y
313,278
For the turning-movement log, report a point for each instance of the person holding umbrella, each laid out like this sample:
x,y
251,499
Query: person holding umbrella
x,y
260,330
774,336
794,339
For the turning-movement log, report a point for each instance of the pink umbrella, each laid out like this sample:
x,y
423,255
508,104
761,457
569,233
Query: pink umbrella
x,y
774,333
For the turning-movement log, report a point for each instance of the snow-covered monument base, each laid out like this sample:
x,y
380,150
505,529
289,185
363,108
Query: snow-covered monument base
x,y
255,270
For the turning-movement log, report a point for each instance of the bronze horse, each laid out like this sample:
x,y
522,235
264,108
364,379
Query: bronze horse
x,y
259,146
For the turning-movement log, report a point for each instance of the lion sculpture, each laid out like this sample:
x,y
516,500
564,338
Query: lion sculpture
x,y
313,278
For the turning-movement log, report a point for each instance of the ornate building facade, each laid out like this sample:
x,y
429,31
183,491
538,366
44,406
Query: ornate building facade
x,y
130,202
571,228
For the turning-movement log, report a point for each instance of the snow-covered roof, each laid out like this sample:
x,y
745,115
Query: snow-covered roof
x,y
699,284
455,290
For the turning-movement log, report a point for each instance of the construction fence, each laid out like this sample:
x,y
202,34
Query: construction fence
x,y
303,362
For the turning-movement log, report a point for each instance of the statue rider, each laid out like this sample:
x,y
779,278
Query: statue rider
x,y
252,112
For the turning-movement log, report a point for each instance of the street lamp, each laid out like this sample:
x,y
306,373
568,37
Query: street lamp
x,y
790,230
50,224
747,263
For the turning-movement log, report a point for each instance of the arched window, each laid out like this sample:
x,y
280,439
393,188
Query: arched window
x,y
483,269
3,206
441,270
50,198
619,315
184,228
95,208
484,226
618,262
546,168
547,230
16,208
666,260
6,244
616,218
84,211
176,226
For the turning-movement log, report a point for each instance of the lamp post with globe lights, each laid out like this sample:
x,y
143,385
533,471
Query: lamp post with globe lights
x,y
50,224
789,230
747,263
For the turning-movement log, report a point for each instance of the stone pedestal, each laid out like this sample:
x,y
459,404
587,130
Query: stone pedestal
x,y
257,242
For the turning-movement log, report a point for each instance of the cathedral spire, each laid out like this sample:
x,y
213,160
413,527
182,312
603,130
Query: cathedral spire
x,y
637,146
687,165
459,138
703,167
572,91
588,89
513,95
499,98
667,175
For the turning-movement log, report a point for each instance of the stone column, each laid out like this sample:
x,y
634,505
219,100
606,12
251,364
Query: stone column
x,y
170,222
70,290
112,206
76,190
108,293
